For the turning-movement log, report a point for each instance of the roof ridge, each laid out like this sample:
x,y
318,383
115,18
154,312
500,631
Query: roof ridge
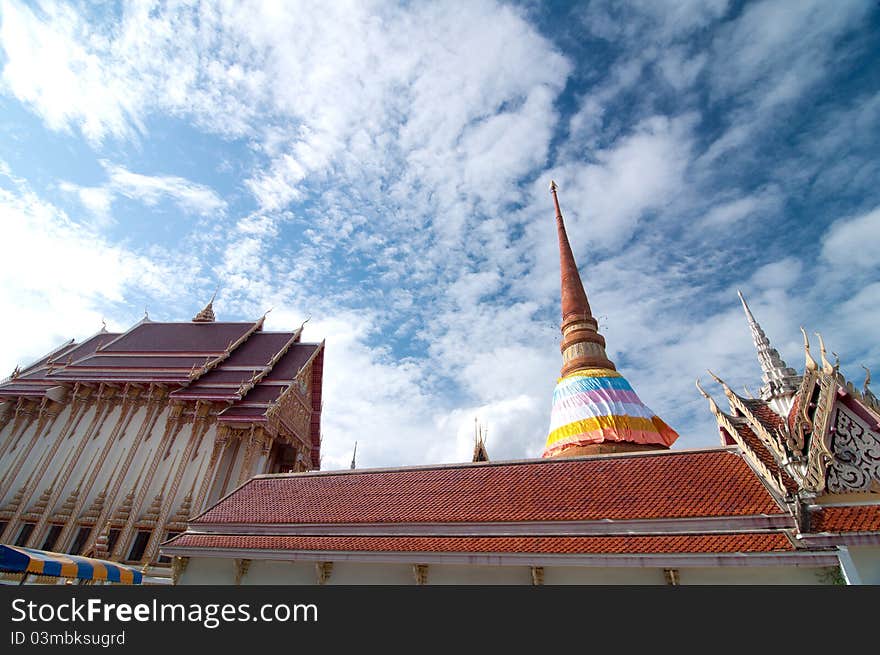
x,y
497,463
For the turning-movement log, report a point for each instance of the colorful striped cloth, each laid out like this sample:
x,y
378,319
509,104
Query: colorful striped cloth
x,y
597,404
42,562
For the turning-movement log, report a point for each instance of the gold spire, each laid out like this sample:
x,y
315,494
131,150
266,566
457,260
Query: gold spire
x,y
207,313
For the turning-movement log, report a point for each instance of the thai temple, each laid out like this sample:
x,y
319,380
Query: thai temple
x,y
219,424
108,446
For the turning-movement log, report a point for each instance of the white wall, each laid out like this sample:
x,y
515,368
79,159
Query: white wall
x,y
867,561
220,571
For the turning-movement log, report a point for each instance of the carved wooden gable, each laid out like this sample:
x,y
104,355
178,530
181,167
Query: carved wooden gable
x,y
856,448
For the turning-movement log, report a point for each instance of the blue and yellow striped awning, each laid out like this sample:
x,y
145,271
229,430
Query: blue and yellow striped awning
x,y
17,559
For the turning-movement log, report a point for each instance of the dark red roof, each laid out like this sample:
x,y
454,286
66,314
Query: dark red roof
x,y
848,518
179,337
716,543
671,484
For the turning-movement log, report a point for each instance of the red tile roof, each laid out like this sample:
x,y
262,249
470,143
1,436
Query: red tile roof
x,y
849,518
765,456
717,543
671,484
765,415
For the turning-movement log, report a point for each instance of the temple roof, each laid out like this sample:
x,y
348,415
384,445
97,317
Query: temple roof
x,y
232,362
701,543
663,484
677,503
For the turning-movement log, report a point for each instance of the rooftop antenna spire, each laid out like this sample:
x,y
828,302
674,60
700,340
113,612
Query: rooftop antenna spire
x,y
779,379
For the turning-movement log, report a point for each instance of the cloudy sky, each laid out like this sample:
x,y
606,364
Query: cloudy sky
x,y
384,167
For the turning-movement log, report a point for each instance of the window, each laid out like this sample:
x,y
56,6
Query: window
x,y
139,546
111,541
51,537
164,559
80,542
25,534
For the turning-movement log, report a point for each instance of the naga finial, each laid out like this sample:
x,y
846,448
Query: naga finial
x,y
810,362
867,380
827,368
713,407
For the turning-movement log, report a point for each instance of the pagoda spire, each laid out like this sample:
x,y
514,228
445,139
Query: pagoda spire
x,y
780,381
582,346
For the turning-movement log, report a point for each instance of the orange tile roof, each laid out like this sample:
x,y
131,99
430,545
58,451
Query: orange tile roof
x,y
709,483
719,543
849,518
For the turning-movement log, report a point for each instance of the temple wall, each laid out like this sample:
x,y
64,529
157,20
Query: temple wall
x,y
112,451
205,570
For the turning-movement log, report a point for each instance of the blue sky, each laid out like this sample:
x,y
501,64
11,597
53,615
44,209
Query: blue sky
x,y
383,168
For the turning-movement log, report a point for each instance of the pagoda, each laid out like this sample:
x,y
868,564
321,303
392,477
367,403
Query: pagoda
x,y
595,410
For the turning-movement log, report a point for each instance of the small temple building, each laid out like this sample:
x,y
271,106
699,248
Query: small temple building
x,y
109,446
791,494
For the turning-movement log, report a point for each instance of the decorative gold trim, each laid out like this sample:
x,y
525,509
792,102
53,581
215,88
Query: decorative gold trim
x,y
323,570
672,577
178,566
537,575
420,573
240,569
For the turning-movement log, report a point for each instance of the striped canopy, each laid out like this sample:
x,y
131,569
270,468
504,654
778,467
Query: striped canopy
x,y
18,559
598,404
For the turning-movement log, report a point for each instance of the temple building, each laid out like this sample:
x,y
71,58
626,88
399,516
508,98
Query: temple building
x,y
109,446
791,494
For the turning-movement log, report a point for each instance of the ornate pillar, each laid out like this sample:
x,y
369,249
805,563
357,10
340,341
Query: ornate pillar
x,y
155,401
106,400
201,422
220,442
131,402
172,427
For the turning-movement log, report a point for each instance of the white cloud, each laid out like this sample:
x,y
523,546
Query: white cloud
x,y
762,204
150,189
60,279
845,244
189,196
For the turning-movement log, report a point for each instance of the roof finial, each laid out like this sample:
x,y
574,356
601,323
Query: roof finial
x,y
582,346
207,313
103,325
354,456
779,379
867,380
480,436
15,372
